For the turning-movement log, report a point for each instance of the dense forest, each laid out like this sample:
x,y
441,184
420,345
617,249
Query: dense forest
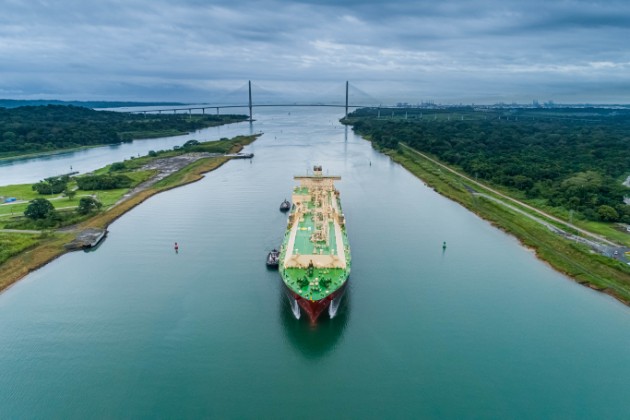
x,y
570,158
35,129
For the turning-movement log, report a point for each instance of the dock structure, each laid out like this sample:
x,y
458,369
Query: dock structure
x,y
86,239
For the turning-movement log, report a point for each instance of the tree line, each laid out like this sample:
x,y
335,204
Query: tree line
x,y
35,129
574,163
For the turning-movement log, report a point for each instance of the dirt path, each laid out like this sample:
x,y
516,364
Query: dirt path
x,y
603,249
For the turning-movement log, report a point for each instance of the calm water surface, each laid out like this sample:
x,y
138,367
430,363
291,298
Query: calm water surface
x,y
480,330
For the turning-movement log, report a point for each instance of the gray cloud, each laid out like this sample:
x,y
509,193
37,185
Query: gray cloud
x,y
478,51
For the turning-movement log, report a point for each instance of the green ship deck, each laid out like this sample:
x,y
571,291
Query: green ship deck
x,y
315,255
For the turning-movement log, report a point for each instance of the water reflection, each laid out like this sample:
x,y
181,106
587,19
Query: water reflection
x,y
314,341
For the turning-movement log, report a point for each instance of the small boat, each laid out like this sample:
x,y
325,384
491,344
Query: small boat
x,y
285,206
273,258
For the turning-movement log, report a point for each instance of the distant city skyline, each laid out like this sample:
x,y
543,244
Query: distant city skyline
x,y
447,52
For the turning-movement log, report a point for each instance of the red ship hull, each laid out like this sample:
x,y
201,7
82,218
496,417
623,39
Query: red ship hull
x,y
314,308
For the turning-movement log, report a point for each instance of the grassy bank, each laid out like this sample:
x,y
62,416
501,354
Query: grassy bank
x,y
14,243
575,260
18,266
9,213
24,253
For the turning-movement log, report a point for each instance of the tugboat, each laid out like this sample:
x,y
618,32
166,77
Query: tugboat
x,y
315,257
273,258
285,206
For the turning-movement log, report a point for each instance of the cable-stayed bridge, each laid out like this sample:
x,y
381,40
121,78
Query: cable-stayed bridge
x,y
243,98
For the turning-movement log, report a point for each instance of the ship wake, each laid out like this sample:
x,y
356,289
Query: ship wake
x,y
334,306
295,308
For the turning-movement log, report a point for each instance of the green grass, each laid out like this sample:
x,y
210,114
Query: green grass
x,y
107,197
7,210
64,217
57,200
13,243
20,191
11,214
110,197
139,176
609,230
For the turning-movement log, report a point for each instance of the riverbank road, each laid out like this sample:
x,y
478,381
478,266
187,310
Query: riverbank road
x,y
591,235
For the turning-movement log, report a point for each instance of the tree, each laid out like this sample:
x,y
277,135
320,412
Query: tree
x,y
52,185
117,166
39,208
9,136
191,143
103,182
27,129
607,213
88,204
69,193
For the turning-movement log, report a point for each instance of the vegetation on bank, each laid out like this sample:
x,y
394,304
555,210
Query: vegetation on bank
x,y
574,259
566,160
48,247
22,253
14,243
571,258
65,203
41,129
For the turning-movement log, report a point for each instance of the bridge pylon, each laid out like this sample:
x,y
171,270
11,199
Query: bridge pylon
x,y
250,101
346,99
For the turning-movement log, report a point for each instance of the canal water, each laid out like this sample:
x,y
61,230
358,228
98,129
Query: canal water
x,y
481,329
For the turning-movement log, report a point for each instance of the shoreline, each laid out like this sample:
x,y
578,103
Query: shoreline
x,y
573,261
49,153
32,259
79,148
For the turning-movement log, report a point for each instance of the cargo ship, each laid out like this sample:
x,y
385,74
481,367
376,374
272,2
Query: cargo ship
x,y
315,255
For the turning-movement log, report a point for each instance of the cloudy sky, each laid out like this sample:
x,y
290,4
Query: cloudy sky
x,y
479,51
